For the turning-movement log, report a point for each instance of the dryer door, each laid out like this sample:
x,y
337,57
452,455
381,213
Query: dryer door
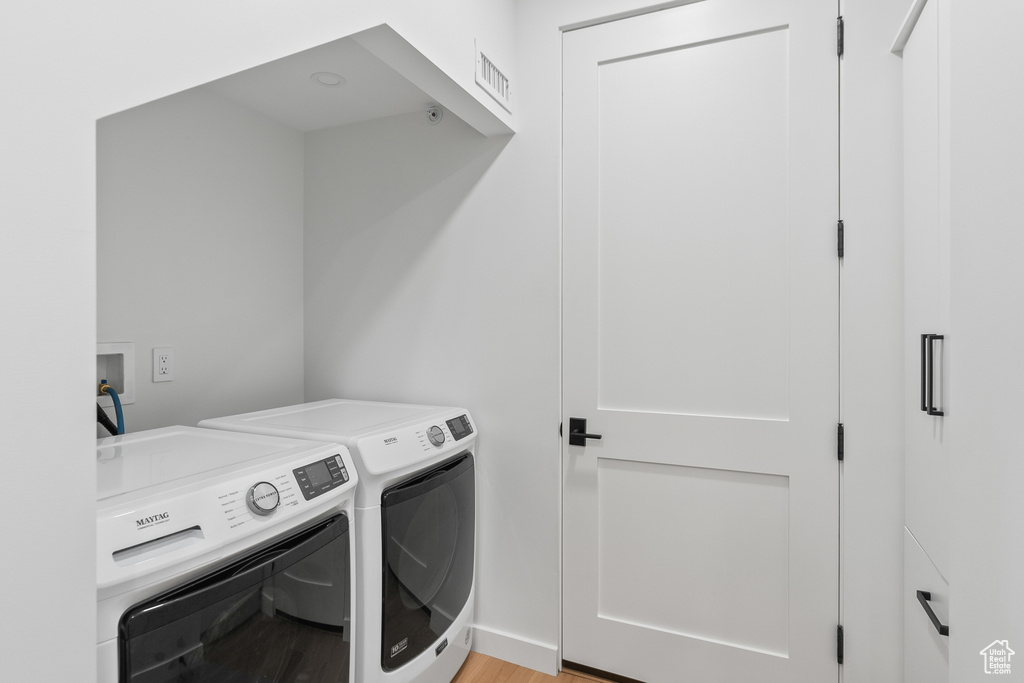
x,y
428,532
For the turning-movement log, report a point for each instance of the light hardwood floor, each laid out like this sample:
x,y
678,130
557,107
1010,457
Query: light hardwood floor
x,y
483,669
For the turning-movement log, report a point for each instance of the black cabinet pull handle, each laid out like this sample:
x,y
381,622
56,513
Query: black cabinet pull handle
x,y
932,338
928,374
578,432
923,597
924,373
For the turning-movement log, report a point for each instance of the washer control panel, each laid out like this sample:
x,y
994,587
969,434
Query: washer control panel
x,y
320,477
242,503
173,499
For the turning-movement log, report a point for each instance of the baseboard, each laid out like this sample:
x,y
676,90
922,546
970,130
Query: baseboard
x,y
518,650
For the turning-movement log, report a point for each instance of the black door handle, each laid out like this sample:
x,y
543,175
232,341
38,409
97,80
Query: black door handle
x,y
923,597
578,432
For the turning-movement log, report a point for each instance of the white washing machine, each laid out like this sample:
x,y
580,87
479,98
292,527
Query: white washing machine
x,y
415,528
224,558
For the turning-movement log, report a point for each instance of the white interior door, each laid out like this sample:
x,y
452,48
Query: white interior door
x,y
700,339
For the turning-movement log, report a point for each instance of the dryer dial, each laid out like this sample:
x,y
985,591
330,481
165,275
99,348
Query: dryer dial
x,y
436,436
263,498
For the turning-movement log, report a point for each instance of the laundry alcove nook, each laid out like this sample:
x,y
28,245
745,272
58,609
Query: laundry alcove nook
x,y
245,221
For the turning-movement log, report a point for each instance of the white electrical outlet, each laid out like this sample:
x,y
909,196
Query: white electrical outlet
x,y
163,364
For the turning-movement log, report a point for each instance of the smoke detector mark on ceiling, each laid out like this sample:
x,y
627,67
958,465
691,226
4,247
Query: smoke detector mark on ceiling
x,y
328,79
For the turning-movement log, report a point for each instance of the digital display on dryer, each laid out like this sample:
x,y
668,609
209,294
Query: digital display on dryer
x,y
460,427
318,474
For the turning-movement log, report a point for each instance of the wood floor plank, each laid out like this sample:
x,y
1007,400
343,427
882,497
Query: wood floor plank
x,y
471,668
480,668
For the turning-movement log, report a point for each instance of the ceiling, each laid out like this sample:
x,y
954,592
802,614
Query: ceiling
x,y
284,90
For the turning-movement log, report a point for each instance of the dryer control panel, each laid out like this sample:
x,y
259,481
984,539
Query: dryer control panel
x,y
434,437
460,427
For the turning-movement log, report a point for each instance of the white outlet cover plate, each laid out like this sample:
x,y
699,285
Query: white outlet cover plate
x,y
163,364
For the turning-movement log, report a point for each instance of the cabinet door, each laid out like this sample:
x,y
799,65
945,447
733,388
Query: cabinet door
x,y
926,651
926,232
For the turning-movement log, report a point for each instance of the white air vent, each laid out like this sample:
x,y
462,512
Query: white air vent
x,y
493,81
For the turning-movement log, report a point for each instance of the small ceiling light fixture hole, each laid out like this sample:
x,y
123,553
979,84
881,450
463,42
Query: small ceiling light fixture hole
x,y
327,79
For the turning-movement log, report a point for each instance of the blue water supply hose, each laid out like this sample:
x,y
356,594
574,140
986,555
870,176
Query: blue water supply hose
x,y
109,391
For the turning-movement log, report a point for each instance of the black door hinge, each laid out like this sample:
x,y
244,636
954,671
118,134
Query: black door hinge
x,y
839,644
840,36
840,441
840,238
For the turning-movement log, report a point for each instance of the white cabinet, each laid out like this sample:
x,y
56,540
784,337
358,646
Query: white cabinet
x,y
986,559
926,288
926,319
963,141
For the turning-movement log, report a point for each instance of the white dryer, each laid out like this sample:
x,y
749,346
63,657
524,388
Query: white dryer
x,y
415,523
223,557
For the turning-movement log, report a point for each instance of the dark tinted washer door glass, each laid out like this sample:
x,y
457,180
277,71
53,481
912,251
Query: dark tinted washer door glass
x,y
428,529
277,615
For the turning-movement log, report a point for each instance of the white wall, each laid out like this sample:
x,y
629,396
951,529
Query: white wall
x,y
63,67
199,246
426,282
397,265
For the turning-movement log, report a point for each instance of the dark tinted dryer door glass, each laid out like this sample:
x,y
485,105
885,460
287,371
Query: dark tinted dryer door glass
x,y
428,529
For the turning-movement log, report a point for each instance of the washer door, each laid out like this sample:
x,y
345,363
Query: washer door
x,y
253,621
428,531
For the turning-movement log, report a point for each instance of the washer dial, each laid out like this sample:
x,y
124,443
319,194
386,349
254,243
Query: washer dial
x,y
263,498
436,436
